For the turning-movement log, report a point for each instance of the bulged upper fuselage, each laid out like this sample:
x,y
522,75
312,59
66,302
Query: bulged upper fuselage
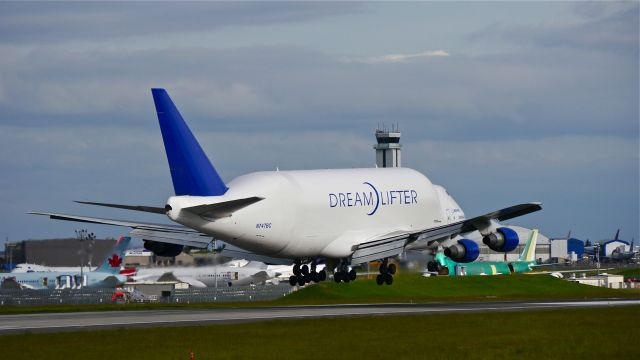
x,y
321,212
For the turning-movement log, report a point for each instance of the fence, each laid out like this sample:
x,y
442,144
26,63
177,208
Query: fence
x,y
230,294
176,296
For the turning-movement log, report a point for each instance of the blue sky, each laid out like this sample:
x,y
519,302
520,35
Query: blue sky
x,y
499,102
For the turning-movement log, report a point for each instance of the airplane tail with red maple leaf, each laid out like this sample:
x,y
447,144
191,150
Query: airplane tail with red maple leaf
x,y
115,258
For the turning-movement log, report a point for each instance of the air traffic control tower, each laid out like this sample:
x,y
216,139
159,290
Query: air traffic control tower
x,y
388,148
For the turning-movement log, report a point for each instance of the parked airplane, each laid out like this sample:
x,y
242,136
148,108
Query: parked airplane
x,y
346,216
614,250
105,275
26,267
443,265
203,276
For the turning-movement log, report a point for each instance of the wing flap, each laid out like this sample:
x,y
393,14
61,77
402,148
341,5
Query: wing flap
x,y
379,249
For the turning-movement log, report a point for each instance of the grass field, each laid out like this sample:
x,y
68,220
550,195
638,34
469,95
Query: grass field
x,y
407,288
603,333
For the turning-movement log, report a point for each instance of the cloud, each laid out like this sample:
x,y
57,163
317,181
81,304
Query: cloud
x,y
603,26
395,58
46,23
288,88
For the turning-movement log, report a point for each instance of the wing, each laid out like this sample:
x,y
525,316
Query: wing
x,y
393,244
173,234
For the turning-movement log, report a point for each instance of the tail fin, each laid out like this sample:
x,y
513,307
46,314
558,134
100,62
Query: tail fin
x,y
529,251
617,234
191,171
111,264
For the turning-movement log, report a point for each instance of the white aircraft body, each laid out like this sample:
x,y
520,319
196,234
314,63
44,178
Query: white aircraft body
x,y
208,276
26,267
343,216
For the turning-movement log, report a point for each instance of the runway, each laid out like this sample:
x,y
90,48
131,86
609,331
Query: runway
x,y
186,317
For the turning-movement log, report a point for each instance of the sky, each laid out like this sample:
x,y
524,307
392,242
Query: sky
x,y
500,102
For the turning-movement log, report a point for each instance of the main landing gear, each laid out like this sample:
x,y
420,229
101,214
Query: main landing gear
x,y
343,273
386,273
304,275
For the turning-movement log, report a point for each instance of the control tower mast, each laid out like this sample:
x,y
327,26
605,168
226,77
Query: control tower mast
x,y
388,148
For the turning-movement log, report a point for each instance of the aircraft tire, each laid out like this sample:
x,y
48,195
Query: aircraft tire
x,y
293,280
322,275
301,281
337,276
296,270
388,278
431,266
345,277
391,269
379,279
383,268
352,274
304,270
314,276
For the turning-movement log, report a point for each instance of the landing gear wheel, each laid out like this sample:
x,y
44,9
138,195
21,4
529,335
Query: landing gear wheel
x,y
293,280
301,281
391,269
383,268
296,270
352,274
322,275
388,278
304,270
345,277
314,276
337,276
379,279
431,266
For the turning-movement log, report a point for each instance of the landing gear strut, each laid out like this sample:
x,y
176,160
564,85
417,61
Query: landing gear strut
x,y
386,273
302,274
343,273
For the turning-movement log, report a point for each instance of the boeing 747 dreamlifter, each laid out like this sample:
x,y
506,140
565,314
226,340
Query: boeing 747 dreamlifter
x,y
345,216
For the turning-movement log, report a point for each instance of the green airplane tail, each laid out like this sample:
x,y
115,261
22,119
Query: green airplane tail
x,y
529,251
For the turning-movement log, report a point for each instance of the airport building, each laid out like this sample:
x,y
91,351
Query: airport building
x,y
388,148
608,247
571,249
57,252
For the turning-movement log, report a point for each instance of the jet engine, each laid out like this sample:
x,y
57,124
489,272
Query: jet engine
x,y
465,251
163,249
503,240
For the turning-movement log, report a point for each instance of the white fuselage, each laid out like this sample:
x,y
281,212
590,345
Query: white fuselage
x,y
321,213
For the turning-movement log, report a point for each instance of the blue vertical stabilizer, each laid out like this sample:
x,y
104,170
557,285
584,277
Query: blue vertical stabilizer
x,y
191,171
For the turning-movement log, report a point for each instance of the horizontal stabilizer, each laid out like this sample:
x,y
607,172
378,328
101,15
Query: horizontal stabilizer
x,y
222,209
150,209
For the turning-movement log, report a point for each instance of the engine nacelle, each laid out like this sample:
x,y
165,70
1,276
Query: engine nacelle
x,y
465,251
503,240
163,249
